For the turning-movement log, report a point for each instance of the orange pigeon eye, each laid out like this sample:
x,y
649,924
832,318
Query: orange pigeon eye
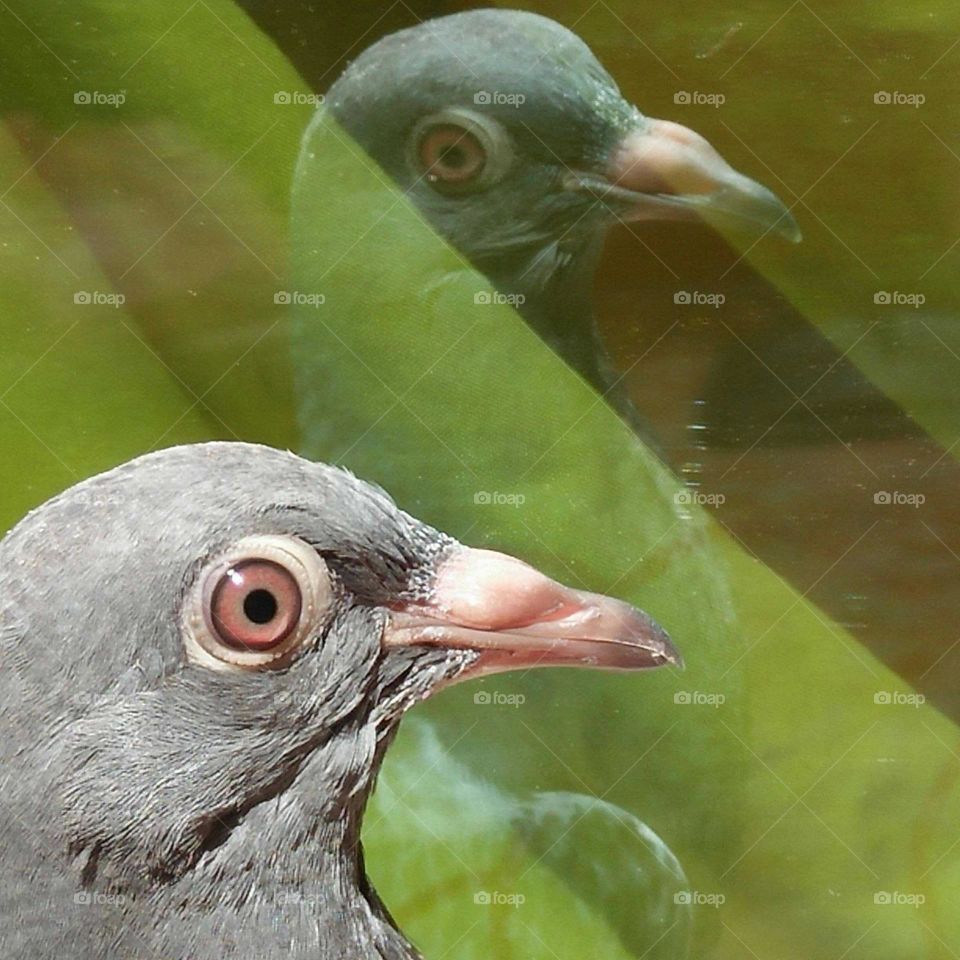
x,y
460,151
451,154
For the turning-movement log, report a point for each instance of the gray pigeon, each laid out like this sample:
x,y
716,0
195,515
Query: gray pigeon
x,y
206,652
518,147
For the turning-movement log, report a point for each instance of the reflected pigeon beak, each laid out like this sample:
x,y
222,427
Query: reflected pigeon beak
x,y
516,618
665,171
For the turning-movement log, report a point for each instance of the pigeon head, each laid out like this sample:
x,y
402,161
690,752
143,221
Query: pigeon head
x,y
517,145
206,652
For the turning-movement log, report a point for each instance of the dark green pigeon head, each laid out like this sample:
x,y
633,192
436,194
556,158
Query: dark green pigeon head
x,y
205,654
516,144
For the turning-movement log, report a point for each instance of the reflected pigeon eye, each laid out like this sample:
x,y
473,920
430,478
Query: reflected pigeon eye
x,y
260,601
451,154
461,150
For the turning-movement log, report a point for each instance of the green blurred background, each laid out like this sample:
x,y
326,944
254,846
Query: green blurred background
x,y
794,793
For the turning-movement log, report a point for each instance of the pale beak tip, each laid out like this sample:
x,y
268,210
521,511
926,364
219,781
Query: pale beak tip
x,y
675,658
667,654
789,229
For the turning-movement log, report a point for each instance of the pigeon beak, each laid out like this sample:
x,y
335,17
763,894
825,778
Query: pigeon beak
x,y
665,171
515,617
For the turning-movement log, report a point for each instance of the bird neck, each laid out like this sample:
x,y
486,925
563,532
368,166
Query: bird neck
x,y
290,877
328,886
349,919
554,290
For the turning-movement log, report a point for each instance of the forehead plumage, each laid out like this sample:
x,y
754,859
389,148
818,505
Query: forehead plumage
x,y
205,495
94,579
532,73
458,51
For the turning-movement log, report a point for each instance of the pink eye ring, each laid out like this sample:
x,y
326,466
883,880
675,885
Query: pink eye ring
x,y
257,603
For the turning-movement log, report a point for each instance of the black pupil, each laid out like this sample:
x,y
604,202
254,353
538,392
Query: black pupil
x,y
453,156
260,606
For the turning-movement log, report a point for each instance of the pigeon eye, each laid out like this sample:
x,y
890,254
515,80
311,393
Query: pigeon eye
x,y
451,154
260,601
255,605
461,151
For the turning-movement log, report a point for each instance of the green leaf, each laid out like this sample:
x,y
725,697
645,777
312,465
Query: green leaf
x,y
79,388
157,128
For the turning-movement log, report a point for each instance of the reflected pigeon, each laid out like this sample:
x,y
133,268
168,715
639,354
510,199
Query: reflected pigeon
x,y
617,868
206,653
518,147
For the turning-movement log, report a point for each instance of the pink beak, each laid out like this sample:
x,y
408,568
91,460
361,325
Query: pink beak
x,y
516,618
665,171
